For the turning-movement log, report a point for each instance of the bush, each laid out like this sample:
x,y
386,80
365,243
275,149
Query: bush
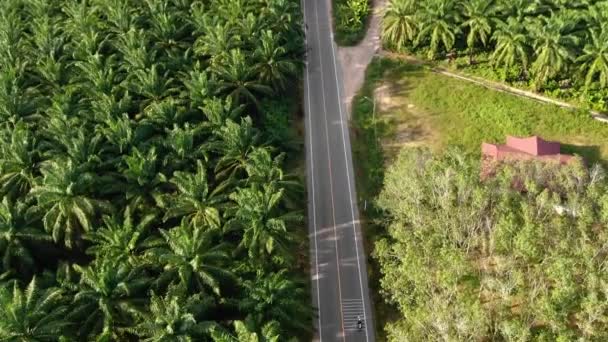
x,y
468,260
350,20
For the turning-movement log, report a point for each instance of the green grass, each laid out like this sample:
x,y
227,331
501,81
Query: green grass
x,y
424,108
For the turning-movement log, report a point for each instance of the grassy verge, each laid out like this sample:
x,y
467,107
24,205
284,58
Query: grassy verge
x,y
351,19
571,92
403,105
368,154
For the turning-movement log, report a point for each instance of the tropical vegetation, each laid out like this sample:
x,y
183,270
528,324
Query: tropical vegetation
x,y
350,20
144,192
402,105
559,47
470,259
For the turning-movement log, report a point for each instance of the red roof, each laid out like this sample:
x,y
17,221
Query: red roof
x,y
525,148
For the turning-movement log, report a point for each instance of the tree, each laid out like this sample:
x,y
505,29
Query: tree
x,y
234,142
121,239
594,60
237,79
399,23
18,160
32,314
63,201
265,231
472,259
553,49
195,200
109,296
193,257
511,46
246,332
15,232
273,65
175,317
275,297
438,25
481,17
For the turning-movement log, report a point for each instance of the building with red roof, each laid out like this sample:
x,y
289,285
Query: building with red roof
x,y
525,149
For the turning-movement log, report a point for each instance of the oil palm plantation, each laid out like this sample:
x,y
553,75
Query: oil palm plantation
x,y
266,230
238,80
109,298
553,47
481,18
19,160
594,59
400,23
193,257
195,200
32,313
15,232
122,239
438,26
273,65
175,317
125,126
63,201
512,46
273,297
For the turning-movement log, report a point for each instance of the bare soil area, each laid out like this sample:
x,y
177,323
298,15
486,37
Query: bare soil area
x,y
354,60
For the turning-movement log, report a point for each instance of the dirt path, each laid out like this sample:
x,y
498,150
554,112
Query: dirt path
x,y
354,60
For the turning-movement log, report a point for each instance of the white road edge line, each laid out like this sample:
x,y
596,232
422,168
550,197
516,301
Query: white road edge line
x,y
350,194
312,173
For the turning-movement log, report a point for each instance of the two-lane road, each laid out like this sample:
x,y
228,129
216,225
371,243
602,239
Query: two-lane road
x,y
338,267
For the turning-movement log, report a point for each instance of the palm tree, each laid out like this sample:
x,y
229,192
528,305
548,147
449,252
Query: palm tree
x,y
262,168
237,79
97,74
264,228
481,18
19,158
175,317
63,201
198,87
135,54
108,298
511,46
216,41
594,60
194,200
274,67
121,239
553,49
276,297
17,101
193,257
438,24
246,332
143,179
15,230
182,146
234,143
33,314
399,23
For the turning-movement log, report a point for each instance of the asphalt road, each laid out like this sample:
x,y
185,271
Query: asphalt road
x,y
338,267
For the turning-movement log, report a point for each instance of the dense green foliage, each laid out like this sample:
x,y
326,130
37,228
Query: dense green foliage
x,y
472,260
549,44
350,20
142,185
